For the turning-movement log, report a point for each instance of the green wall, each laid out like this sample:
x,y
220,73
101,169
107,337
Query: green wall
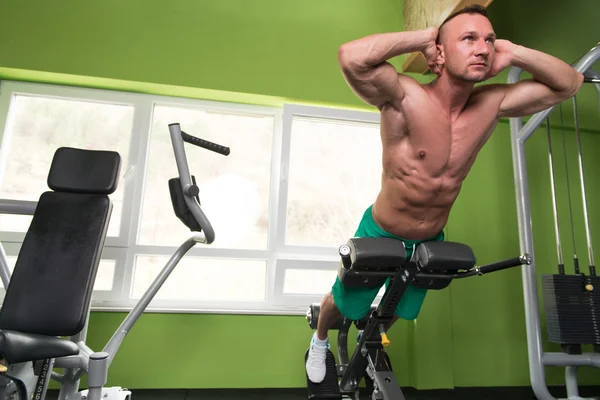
x,y
564,30
269,52
268,47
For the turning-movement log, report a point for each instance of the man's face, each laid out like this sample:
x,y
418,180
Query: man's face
x,y
467,44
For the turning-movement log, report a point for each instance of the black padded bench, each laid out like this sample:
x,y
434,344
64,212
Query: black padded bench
x,y
368,262
50,289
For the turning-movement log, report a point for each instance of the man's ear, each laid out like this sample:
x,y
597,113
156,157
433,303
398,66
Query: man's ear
x,y
441,56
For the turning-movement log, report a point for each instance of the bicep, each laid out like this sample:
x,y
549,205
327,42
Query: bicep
x,y
376,86
528,97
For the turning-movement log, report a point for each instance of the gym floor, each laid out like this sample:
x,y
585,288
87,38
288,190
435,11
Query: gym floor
x,y
518,393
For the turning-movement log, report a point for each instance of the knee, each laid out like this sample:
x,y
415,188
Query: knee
x,y
327,300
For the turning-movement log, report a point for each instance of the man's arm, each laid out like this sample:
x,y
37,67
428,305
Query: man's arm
x,y
365,67
553,82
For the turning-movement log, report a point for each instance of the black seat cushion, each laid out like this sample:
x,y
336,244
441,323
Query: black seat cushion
x,y
17,347
444,256
376,252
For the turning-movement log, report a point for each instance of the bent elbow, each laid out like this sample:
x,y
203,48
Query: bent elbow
x,y
573,88
345,57
350,58
577,83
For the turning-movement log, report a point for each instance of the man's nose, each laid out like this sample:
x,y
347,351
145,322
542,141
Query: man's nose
x,y
482,48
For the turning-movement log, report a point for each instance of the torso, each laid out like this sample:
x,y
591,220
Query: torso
x,y
426,157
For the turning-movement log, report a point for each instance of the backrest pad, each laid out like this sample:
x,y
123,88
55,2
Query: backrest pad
x,y
84,171
51,286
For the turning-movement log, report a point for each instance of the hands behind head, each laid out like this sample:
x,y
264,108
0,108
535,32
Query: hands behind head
x,y
431,50
502,58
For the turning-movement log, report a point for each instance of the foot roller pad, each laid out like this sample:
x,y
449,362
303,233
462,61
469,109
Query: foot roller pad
x,y
329,388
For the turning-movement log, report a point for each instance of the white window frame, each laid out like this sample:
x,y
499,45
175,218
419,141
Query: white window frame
x,y
278,255
9,90
297,256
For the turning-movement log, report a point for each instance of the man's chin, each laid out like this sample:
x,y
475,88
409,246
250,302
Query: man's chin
x,y
475,78
470,76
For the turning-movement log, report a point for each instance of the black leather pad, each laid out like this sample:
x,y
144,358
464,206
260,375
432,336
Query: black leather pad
x,y
84,171
51,286
18,347
378,252
444,256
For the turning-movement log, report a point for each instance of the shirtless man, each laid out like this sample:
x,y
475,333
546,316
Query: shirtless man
x,y
431,135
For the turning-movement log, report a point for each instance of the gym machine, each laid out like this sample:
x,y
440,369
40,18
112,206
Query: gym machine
x,y
369,262
571,301
45,313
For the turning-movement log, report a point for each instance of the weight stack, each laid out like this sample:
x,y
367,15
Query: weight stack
x,y
572,310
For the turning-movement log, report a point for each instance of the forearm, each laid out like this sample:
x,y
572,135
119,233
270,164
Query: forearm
x,y
549,70
374,49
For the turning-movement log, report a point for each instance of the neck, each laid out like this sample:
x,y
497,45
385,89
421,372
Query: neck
x,y
452,94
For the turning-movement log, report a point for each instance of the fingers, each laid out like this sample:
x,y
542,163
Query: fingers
x,y
434,32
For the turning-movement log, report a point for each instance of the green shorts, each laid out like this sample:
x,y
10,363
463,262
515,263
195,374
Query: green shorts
x,y
354,303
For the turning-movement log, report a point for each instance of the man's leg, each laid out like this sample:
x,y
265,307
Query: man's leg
x,y
319,344
328,314
351,303
411,302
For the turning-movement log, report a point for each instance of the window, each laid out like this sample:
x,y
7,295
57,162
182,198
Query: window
x,y
307,281
198,278
37,126
334,174
333,163
234,189
291,191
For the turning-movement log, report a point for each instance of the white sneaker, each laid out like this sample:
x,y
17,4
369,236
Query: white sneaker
x,y
315,362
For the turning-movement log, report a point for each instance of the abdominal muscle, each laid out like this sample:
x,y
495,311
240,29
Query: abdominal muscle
x,y
425,160
406,214
416,195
